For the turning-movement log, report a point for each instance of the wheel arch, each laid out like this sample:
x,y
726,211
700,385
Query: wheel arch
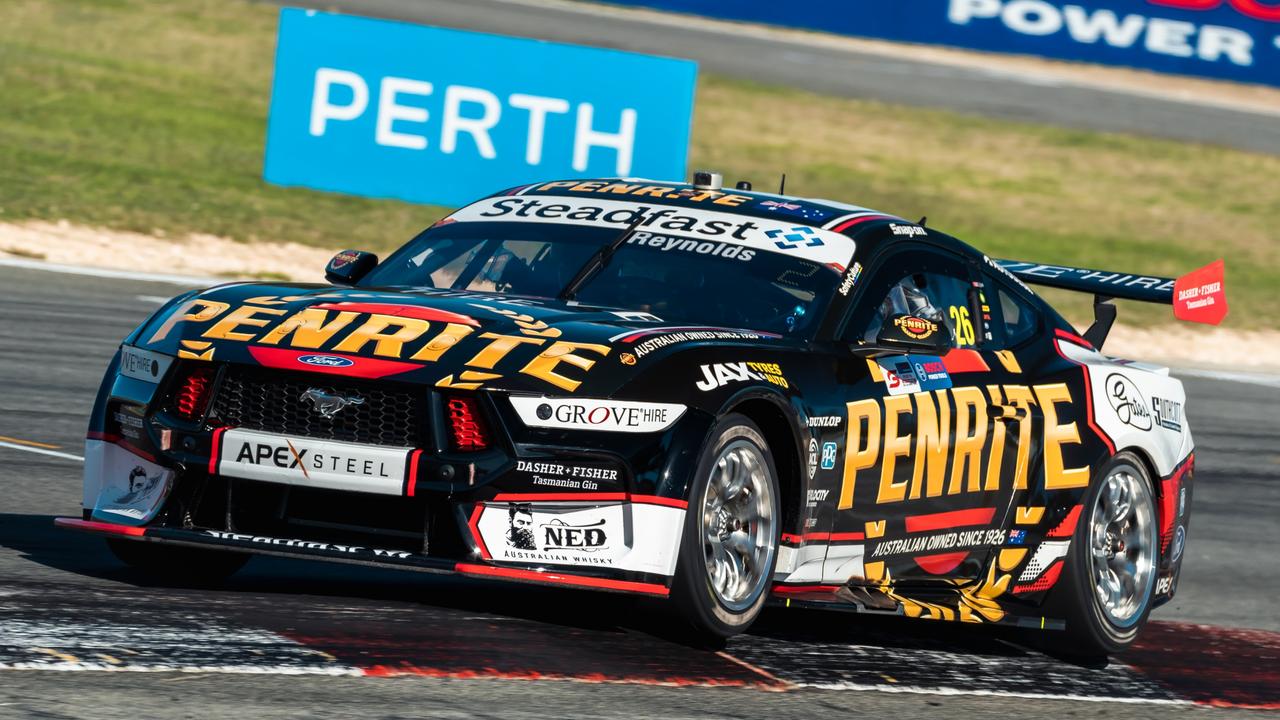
x,y
786,446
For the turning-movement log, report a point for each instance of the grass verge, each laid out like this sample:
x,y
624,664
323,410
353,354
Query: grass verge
x,y
149,116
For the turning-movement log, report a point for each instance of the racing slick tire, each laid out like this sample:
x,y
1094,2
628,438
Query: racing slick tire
x,y
179,565
729,546
1111,567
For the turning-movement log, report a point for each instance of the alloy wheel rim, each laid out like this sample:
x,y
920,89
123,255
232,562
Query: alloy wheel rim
x,y
1122,543
737,525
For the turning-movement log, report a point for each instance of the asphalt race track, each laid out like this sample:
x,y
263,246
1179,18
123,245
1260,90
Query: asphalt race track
x,y
81,636
793,61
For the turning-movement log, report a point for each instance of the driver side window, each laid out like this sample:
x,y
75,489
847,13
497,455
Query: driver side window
x,y
920,284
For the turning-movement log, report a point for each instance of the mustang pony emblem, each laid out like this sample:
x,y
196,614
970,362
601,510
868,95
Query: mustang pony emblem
x,y
329,404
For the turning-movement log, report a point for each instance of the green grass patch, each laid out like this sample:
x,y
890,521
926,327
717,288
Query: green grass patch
x,y
150,115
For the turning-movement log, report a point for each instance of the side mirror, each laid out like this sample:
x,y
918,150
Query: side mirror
x,y
348,266
911,333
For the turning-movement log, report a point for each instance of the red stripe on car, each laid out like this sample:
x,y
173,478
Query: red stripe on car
x,y
952,519
558,578
408,311
99,527
361,367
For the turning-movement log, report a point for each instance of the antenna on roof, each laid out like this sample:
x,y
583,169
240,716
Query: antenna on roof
x,y
923,220
782,186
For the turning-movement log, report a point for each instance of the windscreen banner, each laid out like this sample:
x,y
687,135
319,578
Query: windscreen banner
x,y
1228,39
430,115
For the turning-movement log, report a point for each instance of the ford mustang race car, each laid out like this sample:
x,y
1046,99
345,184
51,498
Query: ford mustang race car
x,y
721,397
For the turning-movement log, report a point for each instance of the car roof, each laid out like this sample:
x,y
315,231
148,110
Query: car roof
x,y
828,214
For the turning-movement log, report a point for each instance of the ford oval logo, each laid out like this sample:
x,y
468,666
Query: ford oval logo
x,y
325,361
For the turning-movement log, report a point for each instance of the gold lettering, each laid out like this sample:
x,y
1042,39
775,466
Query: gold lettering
x,y
225,329
995,461
543,366
734,200
387,344
895,445
450,336
652,190
1056,476
493,353
558,184
933,440
619,188
857,457
971,414
587,186
1020,396
209,309
308,327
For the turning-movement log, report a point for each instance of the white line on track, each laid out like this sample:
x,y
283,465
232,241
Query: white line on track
x,y
1272,381
189,280
41,451
990,693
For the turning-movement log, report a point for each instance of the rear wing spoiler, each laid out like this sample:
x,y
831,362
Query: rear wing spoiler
x,y
1199,296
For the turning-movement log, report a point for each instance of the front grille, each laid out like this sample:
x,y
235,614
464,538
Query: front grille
x,y
271,401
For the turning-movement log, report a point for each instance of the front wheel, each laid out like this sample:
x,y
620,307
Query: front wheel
x,y
729,546
1111,568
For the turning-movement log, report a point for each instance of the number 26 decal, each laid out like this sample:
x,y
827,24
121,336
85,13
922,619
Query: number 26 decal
x,y
964,326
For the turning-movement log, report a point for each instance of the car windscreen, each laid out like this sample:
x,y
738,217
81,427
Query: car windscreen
x,y
680,280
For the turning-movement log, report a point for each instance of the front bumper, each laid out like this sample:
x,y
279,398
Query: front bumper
x,y
357,555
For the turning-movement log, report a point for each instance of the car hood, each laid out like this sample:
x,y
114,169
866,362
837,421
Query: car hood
x,y
464,340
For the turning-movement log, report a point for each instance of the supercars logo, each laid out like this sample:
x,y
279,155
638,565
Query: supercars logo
x,y
916,327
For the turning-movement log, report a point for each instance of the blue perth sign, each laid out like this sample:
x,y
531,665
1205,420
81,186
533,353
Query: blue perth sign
x,y
1230,39
439,116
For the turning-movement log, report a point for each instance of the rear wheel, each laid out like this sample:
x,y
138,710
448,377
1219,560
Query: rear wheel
x,y
730,542
1110,574
181,565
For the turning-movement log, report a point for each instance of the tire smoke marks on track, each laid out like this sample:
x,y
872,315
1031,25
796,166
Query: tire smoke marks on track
x,y
1226,667
1000,670
147,646
63,627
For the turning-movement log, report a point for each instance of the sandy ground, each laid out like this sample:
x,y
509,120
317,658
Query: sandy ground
x,y
209,256
202,256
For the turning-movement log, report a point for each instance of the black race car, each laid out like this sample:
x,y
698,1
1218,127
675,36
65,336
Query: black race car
x,y
723,397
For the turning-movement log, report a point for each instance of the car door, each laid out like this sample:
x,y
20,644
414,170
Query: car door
x,y
928,459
